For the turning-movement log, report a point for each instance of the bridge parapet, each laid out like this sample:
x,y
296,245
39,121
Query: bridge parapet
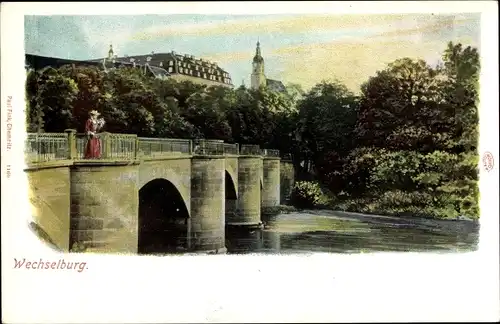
x,y
113,146
157,147
270,153
208,147
231,149
43,147
247,149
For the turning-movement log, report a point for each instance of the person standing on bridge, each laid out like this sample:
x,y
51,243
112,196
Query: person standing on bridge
x,y
92,126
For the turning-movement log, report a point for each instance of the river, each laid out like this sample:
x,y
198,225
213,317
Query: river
x,y
342,232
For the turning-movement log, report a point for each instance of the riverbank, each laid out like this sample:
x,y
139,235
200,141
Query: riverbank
x,y
398,203
326,230
397,221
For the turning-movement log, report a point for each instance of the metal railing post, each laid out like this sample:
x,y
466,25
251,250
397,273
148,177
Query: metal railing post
x,y
106,144
71,143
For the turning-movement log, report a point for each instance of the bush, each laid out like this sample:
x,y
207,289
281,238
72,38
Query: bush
x,y
410,203
307,194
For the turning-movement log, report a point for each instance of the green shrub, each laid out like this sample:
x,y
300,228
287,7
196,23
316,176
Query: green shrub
x,y
307,194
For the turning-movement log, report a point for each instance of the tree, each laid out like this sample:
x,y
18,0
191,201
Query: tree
x,y
51,98
326,120
461,93
399,106
90,96
206,110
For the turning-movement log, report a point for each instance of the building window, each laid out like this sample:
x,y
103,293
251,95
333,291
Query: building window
x,y
204,75
180,70
170,69
171,63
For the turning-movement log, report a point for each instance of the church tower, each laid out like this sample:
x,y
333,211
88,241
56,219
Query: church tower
x,y
258,78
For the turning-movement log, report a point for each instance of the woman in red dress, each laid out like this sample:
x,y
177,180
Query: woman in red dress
x,y
92,126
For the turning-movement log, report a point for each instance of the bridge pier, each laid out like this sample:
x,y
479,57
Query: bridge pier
x,y
104,219
287,180
207,230
271,182
249,192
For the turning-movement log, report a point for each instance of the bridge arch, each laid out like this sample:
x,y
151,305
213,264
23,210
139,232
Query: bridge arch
x,y
163,218
180,178
230,188
233,177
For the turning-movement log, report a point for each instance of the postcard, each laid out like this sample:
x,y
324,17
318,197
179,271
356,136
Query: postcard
x,y
250,162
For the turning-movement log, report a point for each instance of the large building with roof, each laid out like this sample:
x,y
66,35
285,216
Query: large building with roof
x,y
160,65
258,78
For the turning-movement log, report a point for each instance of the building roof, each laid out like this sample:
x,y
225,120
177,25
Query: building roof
x,y
275,85
158,71
175,63
157,59
160,65
38,62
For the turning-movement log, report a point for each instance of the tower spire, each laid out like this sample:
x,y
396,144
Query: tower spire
x,y
110,52
258,55
257,50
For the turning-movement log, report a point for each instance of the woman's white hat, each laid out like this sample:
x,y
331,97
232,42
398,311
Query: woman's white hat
x,y
94,113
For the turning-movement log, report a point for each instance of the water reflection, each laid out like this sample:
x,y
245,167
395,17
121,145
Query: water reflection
x,y
338,232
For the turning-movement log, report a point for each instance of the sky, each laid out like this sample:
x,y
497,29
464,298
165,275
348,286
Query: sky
x,y
303,49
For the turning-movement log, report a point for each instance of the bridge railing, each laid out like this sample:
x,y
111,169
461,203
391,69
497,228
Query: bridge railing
x,y
208,147
270,153
112,146
231,149
120,146
42,147
250,150
152,147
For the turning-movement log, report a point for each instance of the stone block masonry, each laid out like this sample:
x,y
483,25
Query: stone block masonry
x,y
49,195
271,182
287,180
104,208
207,203
249,191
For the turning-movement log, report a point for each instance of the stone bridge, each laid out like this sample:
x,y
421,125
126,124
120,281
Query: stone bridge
x,y
149,195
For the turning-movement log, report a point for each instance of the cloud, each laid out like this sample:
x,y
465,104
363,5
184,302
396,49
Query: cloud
x,y
98,38
268,24
353,59
416,28
446,23
354,62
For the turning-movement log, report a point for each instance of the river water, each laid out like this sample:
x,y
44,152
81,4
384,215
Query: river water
x,y
342,232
